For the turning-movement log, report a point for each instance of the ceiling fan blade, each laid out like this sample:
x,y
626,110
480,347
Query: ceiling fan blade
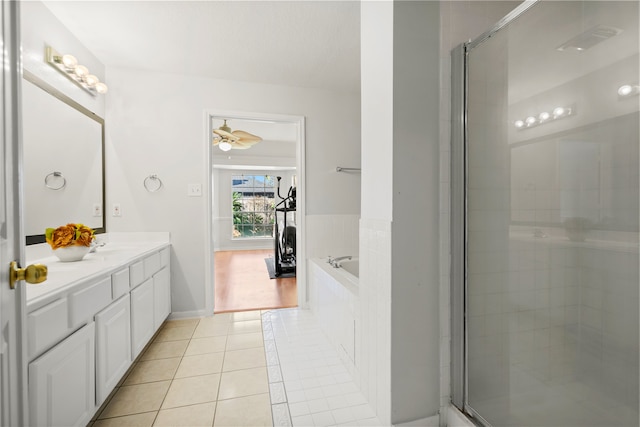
x,y
238,145
226,135
246,136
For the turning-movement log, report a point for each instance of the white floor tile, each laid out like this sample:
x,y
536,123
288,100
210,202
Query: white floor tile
x,y
318,387
322,419
314,393
318,405
280,415
343,415
276,390
300,408
303,421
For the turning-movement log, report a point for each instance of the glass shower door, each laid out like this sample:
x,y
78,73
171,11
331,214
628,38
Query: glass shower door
x,y
552,218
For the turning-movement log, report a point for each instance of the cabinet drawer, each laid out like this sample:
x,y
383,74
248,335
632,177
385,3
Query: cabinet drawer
x,y
151,265
119,283
136,274
85,303
47,326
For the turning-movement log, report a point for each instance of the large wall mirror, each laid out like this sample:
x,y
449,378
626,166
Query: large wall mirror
x,y
63,146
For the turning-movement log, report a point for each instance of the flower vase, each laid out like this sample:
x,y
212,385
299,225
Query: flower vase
x,y
71,253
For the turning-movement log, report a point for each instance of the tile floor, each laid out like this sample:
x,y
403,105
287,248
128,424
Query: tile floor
x,y
238,369
306,377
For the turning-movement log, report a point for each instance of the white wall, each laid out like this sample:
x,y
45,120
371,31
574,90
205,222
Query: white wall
x,y
414,229
399,364
156,124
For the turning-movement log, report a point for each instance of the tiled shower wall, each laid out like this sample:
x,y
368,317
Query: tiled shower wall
x,y
373,343
335,235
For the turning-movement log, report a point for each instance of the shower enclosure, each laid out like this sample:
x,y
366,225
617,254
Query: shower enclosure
x,y
545,173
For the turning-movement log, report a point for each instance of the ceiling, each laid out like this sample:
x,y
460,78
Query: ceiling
x,y
313,44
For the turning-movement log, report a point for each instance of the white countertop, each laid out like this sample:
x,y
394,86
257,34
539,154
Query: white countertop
x,y
120,249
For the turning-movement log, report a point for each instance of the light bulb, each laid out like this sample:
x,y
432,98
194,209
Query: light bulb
x,y
91,80
224,145
101,87
627,90
544,116
69,61
518,124
558,112
530,120
81,71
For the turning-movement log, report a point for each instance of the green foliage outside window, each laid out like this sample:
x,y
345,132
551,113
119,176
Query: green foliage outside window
x,y
253,206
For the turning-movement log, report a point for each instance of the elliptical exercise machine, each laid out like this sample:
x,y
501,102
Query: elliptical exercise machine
x,y
285,235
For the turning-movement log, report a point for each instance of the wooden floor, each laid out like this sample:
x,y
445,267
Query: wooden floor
x,y
242,283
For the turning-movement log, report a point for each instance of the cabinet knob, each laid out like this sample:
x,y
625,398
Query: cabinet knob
x,y
35,273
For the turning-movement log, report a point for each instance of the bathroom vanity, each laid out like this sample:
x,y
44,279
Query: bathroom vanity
x,y
90,320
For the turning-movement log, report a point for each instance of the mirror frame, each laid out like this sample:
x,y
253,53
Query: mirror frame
x,y
32,78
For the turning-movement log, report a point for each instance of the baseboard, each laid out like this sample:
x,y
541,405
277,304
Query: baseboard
x,y
432,421
455,418
187,314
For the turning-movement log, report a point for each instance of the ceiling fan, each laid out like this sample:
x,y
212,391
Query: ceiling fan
x,y
226,139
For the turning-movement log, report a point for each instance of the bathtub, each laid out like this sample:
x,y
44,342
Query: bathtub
x,y
334,301
351,266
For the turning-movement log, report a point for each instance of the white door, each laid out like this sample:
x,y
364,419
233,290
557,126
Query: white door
x,y
13,390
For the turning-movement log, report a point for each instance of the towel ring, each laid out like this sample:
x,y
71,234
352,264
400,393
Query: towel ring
x,y
152,183
52,176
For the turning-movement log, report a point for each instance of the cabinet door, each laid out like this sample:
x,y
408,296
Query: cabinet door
x,y
142,317
62,382
162,296
113,346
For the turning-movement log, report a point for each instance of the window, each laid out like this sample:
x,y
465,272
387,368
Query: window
x,y
253,205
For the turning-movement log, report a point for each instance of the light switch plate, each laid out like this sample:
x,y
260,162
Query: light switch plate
x,y
194,190
116,210
97,209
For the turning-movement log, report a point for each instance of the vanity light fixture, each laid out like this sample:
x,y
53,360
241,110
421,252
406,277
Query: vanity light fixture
x,y
628,90
543,118
79,74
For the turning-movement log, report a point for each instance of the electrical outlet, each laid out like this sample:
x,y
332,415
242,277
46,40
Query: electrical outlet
x,y
97,209
116,210
194,190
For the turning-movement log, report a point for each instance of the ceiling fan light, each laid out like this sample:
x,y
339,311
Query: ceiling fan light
x,y
224,145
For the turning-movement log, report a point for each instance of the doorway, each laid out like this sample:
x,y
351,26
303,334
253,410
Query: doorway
x,y
248,188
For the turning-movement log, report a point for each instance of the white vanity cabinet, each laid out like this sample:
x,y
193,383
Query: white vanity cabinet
x,y
113,346
161,296
62,382
84,335
142,311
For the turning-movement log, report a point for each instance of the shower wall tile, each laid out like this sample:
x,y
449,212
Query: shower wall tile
x,y
334,235
373,364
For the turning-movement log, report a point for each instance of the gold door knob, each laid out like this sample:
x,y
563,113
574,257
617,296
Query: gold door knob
x,y
35,273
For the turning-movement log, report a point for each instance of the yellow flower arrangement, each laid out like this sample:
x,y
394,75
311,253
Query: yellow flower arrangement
x,y
69,235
